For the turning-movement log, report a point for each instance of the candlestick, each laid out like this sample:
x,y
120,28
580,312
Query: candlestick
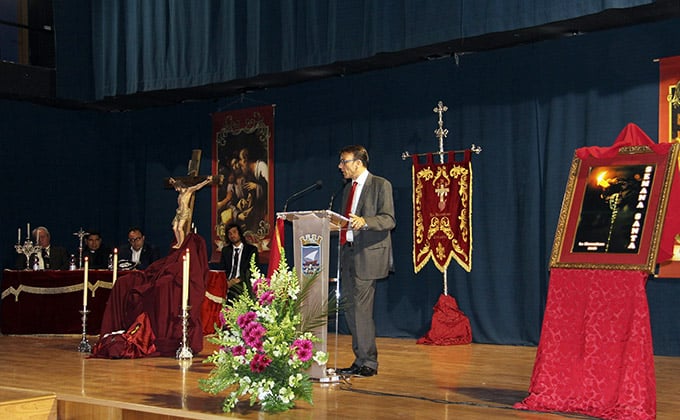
x,y
115,265
87,269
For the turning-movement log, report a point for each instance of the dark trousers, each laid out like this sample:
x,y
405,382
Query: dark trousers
x,y
357,297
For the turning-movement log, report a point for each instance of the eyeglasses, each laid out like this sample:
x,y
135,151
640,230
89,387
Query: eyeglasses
x,y
133,240
344,162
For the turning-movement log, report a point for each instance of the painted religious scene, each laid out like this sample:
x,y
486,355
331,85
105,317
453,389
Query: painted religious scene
x,y
243,158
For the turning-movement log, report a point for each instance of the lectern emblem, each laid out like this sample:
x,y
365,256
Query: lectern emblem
x,y
311,254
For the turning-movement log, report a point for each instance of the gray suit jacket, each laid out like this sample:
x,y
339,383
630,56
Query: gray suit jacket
x,y
373,256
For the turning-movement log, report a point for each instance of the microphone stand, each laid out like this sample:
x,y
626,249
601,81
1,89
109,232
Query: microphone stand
x,y
318,184
330,204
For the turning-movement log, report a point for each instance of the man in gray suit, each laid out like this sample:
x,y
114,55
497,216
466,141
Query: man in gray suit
x,y
366,253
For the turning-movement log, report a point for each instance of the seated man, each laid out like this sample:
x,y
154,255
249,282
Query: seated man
x,y
236,258
138,251
51,257
97,253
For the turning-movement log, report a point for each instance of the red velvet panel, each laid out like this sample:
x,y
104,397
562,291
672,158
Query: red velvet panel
x,y
157,291
595,355
215,289
48,302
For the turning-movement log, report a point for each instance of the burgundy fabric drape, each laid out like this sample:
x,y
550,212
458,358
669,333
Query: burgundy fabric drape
x,y
49,301
158,292
138,341
595,356
449,324
215,292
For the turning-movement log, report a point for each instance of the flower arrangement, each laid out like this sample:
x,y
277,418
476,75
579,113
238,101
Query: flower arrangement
x,y
263,347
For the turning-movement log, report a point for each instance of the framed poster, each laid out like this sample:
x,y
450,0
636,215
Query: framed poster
x,y
613,210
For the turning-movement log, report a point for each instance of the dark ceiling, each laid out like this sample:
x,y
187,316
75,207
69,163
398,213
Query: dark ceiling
x,y
36,84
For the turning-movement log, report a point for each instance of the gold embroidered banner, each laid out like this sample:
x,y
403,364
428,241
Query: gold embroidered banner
x,y
442,212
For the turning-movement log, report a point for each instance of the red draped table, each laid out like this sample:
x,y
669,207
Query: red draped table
x,y
48,302
595,355
215,292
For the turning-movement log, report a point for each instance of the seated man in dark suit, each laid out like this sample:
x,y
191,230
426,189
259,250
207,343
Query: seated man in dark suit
x,y
138,251
97,253
236,263
51,257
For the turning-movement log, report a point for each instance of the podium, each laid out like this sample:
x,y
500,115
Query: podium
x,y
311,243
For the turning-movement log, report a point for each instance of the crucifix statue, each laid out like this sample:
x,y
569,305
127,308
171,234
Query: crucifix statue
x,y
186,188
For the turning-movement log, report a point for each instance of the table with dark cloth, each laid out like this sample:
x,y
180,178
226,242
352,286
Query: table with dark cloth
x,y
157,290
50,301
595,356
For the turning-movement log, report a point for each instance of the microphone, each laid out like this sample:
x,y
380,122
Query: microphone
x,y
317,185
342,185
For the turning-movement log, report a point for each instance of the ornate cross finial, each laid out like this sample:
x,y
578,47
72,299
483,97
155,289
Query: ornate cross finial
x,y
441,132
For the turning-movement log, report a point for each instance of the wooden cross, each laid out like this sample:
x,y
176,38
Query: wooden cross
x,y
186,186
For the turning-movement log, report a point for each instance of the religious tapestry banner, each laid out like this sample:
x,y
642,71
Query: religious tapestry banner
x,y
669,100
442,211
243,157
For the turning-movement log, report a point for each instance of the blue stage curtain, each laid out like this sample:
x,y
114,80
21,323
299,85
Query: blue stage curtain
x,y
160,44
529,107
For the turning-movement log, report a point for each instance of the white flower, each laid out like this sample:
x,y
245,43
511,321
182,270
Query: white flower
x,y
320,357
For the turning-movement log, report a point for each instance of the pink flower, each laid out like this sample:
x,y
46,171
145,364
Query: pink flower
x,y
252,334
238,350
246,318
303,349
264,282
267,298
259,363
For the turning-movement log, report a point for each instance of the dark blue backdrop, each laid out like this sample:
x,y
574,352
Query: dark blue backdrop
x,y
529,107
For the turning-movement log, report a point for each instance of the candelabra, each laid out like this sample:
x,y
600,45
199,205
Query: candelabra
x,y
28,249
184,351
84,346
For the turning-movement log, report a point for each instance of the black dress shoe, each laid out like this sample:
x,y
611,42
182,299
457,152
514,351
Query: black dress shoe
x,y
352,370
365,372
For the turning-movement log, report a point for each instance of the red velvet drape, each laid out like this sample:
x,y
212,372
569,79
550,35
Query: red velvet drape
x,y
158,292
595,356
215,292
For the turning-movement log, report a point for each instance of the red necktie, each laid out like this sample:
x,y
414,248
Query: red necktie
x,y
348,210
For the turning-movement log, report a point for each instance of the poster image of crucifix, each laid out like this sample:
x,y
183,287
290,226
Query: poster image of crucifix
x,y
243,157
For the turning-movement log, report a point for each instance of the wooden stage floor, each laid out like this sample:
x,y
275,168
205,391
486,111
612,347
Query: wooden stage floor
x,y
415,382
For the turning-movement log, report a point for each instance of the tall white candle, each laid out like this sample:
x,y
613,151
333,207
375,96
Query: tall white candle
x,y
185,281
87,269
19,235
115,265
28,230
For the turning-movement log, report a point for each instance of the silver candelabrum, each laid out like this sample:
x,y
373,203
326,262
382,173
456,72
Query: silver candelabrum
x,y
28,249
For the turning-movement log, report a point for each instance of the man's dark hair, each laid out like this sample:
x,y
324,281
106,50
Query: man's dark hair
x,y
93,232
359,153
238,227
136,229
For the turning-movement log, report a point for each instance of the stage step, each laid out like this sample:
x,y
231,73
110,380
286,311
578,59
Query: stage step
x,y
23,404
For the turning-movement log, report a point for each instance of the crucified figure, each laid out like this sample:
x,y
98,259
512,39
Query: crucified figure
x,y
180,224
